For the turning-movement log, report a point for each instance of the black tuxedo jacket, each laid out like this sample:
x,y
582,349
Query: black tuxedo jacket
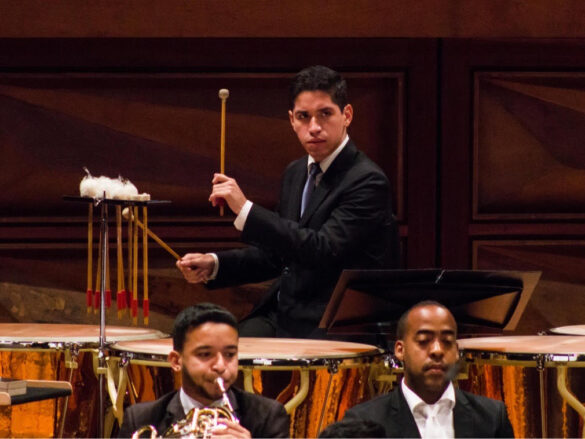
x,y
473,415
263,417
348,223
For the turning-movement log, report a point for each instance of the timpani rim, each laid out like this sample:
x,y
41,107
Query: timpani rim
x,y
569,330
337,351
570,347
12,334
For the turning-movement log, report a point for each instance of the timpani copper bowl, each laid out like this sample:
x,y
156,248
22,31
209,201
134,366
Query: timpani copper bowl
x,y
43,351
335,374
541,353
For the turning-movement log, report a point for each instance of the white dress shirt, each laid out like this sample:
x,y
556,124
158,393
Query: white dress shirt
x,y
433,420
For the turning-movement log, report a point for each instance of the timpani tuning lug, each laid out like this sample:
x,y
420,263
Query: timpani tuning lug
x,y
332,366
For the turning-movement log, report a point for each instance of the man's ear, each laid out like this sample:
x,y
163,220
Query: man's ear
x,y
174,358
291,117
348,114
399,350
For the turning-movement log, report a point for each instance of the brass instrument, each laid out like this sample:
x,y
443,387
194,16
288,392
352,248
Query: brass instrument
x,y
199,422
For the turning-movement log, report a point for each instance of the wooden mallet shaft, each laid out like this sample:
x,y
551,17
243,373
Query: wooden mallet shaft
x,y
159,241
224,93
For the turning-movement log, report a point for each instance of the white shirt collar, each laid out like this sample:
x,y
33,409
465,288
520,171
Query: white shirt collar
x,y
432,420
189,403
326,162
413,400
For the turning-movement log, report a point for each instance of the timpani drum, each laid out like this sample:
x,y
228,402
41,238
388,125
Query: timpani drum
x,y
326,377
56,352
522,370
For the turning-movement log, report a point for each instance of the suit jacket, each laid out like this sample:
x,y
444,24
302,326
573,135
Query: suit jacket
x,y
262,416
473,415
348,224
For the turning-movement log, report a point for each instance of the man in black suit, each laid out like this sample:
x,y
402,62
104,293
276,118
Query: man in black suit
x,y
426,404
205,348
334,213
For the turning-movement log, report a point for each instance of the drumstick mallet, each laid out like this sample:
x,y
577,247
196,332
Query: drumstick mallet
x,y
121,294
89,291
134,300
145,301
138,223
98,279
108,291
126,298
224,93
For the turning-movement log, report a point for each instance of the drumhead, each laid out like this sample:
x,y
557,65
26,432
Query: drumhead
x,y
569,330
14,334
526,344
266,351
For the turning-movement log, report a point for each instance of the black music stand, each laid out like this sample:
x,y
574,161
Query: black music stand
x,y
483,302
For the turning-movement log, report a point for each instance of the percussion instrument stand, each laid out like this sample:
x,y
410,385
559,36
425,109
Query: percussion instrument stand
x,y
101,370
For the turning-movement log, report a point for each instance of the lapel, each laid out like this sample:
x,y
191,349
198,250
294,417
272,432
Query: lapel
x,y
462,416
174,413
330,180
291,199
401,414
234,402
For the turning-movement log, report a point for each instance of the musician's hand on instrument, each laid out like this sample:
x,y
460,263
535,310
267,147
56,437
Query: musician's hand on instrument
x,y
227,188
196,267
227,428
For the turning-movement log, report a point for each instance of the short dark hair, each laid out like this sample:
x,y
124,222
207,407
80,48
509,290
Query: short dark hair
x,y
319,78
196,315
401,326
357,428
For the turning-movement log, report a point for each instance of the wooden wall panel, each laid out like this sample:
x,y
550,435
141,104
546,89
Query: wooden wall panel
x,y
510,143
560,294
528,135
162,132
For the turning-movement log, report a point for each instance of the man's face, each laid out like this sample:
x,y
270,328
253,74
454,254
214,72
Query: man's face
x,y
319,123
210,351
428,350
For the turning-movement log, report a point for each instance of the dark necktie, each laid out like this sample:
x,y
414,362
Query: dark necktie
x,y
314,170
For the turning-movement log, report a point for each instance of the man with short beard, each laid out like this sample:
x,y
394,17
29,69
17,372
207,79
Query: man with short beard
x,y
205,348
426,404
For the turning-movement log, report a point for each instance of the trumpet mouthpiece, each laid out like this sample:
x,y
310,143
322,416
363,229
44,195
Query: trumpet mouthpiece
x,y
224,93
220,384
